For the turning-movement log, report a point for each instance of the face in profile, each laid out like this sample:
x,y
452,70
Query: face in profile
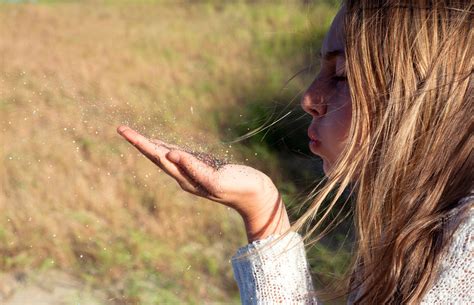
x,y
327,99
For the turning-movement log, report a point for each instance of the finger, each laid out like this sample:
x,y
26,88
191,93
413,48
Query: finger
x,y
194,168
155,150
184,181
143,144
167,145
157,142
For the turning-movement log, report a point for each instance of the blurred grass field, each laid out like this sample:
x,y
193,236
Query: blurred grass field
x,y
75,197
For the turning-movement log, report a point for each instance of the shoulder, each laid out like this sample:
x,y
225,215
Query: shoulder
x,y
455,282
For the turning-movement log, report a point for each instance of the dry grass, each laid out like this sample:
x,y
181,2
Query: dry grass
x,y
73,195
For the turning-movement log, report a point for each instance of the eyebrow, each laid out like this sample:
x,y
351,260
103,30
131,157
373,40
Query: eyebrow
x,y
330,54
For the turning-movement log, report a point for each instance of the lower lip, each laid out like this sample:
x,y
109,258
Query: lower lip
x,y
314,145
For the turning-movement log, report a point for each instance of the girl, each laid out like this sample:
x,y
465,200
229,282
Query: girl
x,y
392,118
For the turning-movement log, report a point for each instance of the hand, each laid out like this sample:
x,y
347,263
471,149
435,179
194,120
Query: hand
x,y
250,192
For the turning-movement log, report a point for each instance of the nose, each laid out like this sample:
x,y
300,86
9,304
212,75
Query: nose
x,y
313,100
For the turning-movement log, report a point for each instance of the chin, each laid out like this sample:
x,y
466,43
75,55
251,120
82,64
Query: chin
x,y
327,167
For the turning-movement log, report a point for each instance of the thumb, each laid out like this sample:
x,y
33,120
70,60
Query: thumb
x,y
174,156
196,169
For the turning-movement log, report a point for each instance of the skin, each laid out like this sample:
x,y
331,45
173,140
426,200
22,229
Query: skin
x,y
328,100
250,192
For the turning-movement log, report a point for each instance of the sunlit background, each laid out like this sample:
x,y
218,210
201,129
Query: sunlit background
x,y
84,218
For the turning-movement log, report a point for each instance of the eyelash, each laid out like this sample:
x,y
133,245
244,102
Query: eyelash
x,y
340,78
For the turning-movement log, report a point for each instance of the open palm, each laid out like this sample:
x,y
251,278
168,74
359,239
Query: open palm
x,y
243,188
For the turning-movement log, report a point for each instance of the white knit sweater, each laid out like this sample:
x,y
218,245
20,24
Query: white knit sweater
x,y
280,274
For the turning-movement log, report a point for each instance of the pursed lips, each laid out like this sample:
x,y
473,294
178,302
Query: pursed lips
x,y
312,135
314,143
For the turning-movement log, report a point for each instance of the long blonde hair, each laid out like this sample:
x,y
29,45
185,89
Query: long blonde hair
x,y
409,154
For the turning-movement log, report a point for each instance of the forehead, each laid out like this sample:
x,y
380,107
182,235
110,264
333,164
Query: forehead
x,y
334,39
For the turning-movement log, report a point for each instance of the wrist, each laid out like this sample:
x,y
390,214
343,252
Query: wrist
x,y
273,221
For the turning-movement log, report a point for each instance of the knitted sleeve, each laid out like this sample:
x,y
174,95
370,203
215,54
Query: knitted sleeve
x,y
455,282
274,275
280,274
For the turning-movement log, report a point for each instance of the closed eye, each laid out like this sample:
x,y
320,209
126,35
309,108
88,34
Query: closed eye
x,y
340,78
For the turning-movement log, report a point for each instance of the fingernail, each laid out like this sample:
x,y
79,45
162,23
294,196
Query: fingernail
x,y
173,156
121,129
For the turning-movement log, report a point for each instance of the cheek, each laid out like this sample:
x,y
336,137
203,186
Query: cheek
x,y
340,115
338,122
345,117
